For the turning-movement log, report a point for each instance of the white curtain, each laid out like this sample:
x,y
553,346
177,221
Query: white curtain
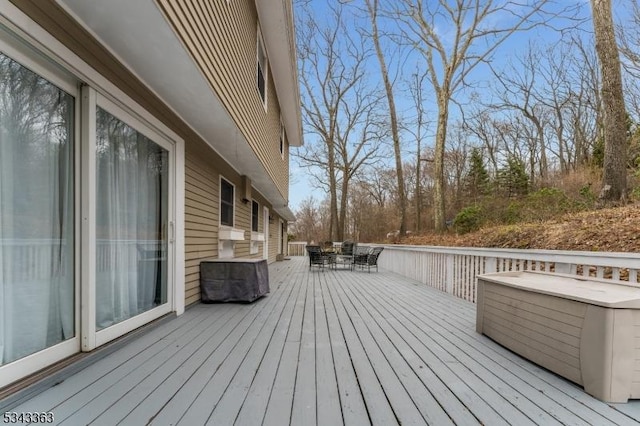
x,y
36,213
131,222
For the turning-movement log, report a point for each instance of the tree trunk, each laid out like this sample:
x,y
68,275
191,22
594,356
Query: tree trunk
x,y
333,193
373,11
418,189
441,137
614,180
342,219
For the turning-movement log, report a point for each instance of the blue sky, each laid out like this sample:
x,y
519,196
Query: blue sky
x,y
406,63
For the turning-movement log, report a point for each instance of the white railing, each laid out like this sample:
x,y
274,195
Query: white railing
x,y
297,248
33,259
454,269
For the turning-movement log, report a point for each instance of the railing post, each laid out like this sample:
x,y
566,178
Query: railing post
x,y
562,268
449,273
454,270
490,265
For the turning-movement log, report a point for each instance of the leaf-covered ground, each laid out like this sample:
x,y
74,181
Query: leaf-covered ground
x,y
613,230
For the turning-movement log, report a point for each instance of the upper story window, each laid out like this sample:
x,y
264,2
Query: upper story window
x,y
282,139
261,69
254,215
226,202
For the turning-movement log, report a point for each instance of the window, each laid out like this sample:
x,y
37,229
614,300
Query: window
x,y
87,204
261,70
37,263
226,202
282,140
254,216
132,173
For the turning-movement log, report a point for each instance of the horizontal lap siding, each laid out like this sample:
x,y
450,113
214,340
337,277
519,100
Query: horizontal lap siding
x,y
201,220
221,38
203,166
273,237
202,205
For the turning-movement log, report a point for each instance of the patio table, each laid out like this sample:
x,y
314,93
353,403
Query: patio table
x,y
342,259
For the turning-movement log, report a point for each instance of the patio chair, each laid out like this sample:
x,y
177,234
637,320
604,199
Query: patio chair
x,y
317,257
369,259
360,253
347,248
344,255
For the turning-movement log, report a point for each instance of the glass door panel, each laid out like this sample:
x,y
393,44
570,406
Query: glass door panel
x,y
131,222
37,300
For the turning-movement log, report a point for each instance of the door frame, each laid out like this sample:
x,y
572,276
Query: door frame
x,y
92,338
31,45
265,221
22,52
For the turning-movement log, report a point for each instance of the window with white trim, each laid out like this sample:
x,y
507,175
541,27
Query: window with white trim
x,y
255,214
261,68
282,139
227,191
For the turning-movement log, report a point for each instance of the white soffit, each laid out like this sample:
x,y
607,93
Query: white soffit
x,y
137,33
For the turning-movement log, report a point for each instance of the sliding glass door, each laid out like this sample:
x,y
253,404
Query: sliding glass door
x,y
37,245
131,224
87,201
128,198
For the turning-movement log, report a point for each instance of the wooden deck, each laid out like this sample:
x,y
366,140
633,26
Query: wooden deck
x,y
326,348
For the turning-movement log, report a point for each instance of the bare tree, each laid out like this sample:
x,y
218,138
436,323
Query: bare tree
x,y
572,80
455,37
517,91
555,90
481,125
614,179
309,225
357,145
339,109
629,41
417,129
373,12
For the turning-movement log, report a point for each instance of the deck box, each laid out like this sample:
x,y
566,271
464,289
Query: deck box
x,y
584,329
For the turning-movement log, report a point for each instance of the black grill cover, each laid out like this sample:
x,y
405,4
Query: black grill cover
x,y
233,280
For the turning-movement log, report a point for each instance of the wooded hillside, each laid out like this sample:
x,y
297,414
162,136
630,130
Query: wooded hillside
x,y
491,122
612,229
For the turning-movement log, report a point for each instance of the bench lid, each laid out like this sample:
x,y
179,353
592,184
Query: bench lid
x,y
605,293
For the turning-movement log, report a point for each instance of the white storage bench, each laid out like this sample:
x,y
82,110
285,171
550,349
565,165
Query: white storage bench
x,y
584,329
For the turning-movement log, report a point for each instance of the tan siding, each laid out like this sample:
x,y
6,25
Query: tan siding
x,y
202,204
221,37
202,165
201,219
274,229
242,221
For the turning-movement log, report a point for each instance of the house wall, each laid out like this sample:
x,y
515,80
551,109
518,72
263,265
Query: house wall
x,y
203,165
202,206
221,37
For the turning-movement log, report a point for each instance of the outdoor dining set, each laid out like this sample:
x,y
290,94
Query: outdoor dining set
x,y
348,256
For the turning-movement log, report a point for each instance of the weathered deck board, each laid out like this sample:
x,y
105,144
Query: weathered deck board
x,y
450,368
457,326
257,397
465,386
327,348
328,401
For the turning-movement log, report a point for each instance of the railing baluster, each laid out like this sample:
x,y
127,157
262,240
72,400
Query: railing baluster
x,y
455,270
